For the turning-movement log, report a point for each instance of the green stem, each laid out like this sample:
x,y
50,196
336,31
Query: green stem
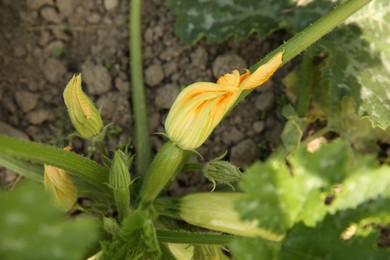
x,y
103,152
122,202
192,167
311,34
193,238
76,164
168,162
305,86
142,140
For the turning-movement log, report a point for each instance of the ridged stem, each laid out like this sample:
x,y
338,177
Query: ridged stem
x,y
142,140
304,39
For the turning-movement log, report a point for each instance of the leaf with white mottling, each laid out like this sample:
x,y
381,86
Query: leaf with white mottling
x,y
358,65
221,19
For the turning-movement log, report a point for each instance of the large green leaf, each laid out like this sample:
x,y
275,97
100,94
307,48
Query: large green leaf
x,y
221,19
276,198
330,239
358,65
314,184
32,229
313,201
255,248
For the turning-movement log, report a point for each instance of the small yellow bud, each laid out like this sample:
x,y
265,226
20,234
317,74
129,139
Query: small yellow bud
x,y
60,185
201,106
215,211
82,112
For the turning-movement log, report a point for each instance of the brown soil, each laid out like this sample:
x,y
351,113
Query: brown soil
x,y
44,42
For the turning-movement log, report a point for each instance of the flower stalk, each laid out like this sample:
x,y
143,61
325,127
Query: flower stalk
x,y
168,162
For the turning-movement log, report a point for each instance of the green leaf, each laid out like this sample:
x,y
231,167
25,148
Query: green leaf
x,y
75,164
254,248
325,242
280,196
274,197
358,131
314,201
358,62
32,229
219,20
361,187
330,162
293,129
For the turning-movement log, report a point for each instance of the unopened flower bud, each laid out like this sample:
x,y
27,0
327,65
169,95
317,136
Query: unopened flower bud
x,y
119,170
82,112
120,181
218,171
61,187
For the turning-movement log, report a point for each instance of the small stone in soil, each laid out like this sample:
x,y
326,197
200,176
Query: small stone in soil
x,y
12,131
227,63
154,75
258,126
154,121
122,86
26,100
243,153
54,70
50,14
36,4
166,95
66,7
199,58
96,78
39,116
232,136
265,101
110,5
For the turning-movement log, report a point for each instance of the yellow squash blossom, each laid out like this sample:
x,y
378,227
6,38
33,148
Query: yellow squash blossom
x,y
60,186
201,106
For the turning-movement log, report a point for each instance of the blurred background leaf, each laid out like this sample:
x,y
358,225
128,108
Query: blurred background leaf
x,y
32,229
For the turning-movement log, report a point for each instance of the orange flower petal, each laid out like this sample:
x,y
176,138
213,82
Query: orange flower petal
x,y
263,73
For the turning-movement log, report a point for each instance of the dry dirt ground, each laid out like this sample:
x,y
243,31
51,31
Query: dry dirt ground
x,y
44,42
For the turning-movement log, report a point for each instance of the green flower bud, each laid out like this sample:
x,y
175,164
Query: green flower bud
x,y
120,181
222,172
82,112
119,170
